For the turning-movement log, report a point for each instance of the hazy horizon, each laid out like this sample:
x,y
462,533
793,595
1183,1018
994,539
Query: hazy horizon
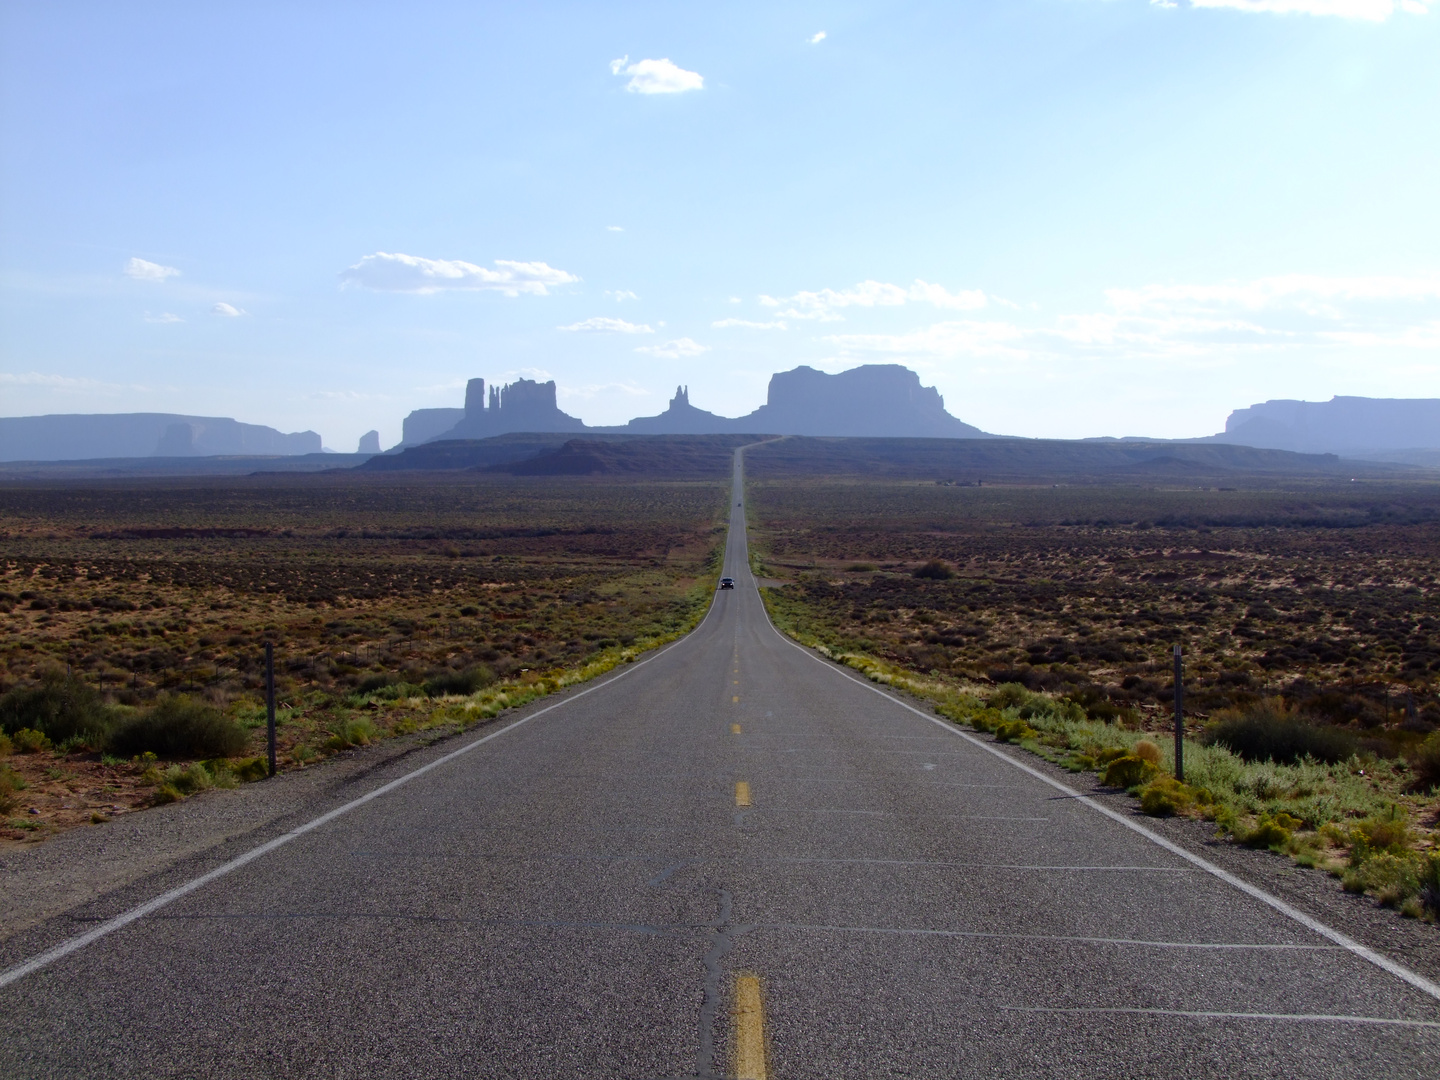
x,y
1073,217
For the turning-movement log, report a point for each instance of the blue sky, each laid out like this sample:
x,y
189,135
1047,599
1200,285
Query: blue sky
x,y
1074,217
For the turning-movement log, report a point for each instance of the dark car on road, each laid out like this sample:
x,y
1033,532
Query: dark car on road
x,y
727,583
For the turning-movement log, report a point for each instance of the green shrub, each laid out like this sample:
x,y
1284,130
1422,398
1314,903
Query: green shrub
x,y
9,784
1013,731
986,719
1425,764
348,733
473,678
1165,797
174,783
1272,832
371,683
935,569
179,727
1386,831
6,746
1106,754
1128,772
29,741
248,770
1008,696
1270,730
61,707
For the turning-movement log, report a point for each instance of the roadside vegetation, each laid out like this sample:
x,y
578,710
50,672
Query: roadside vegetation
x,y
131,667
1310,622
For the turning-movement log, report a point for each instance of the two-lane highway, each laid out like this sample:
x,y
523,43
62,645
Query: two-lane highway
x,y
731,859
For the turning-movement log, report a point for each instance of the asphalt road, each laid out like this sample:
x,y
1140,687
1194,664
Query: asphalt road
x,y
733,856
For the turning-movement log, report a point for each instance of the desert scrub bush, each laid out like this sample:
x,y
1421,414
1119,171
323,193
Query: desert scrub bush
x,y
178,781
934,570
248,770
1271,831
29,741
1271,730
1425,764
1146,750
179,727
1013,731
350,733
10,783
1408,881
6,746
61,708
466,682
1165,797
1128,772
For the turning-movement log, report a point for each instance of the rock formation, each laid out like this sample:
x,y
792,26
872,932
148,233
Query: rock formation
x,y
1354,426
369,443
79,437
875,400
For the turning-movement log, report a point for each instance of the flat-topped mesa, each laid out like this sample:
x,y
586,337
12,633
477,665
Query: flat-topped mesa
x,y
871,400
1339,426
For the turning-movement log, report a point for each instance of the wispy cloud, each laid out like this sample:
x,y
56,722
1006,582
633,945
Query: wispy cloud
x,y
614,228
1203,323
822,305
674,350
410,273
144,270
818,37
163,317
656,76
227,311
620,295
603,325
1368,10
721,324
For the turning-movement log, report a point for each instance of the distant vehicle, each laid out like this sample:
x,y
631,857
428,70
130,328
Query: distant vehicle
x,y
727,583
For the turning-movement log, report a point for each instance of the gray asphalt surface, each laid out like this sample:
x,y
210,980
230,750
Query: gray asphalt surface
x,y
575,897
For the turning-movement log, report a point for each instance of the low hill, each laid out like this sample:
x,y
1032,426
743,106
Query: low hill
x,y
972,461
654,455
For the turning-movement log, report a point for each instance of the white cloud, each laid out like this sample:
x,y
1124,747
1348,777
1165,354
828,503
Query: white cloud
x,y
656,76
721,324
603,325
1369,10
614,228
411,273
143,270
1295,314
817,38
163,317
674,350
227,311
621,295
821,305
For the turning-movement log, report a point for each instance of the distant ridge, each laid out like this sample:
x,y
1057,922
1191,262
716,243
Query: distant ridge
x,y
79,436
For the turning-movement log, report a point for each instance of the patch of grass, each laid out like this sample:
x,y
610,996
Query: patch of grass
x,y
179,727
351,733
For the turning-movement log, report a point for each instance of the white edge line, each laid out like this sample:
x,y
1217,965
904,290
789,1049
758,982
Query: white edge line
x,y
1310,1018
1401,972
65,948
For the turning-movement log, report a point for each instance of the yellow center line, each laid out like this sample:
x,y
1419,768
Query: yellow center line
x,y
742,793
749,1029
735,699
734,729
